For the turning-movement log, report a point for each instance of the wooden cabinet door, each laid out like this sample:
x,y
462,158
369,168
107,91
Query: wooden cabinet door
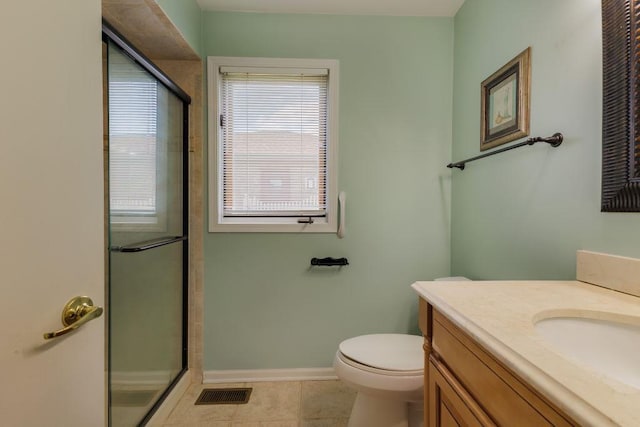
x,y
506,398
449,403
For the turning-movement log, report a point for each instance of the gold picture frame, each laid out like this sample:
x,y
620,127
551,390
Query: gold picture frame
x,y
505,102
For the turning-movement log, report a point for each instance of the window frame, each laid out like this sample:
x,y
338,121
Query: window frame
x,y
219,223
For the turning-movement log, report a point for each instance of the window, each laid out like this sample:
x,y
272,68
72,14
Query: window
x,y
133,145
273,144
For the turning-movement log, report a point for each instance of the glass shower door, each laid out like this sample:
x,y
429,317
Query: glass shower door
x,y
147,234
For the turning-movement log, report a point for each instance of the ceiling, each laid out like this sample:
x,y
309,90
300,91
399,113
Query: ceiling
x,y
338,7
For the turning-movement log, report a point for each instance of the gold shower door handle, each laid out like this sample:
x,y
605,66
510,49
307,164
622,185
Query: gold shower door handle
x,y
76,312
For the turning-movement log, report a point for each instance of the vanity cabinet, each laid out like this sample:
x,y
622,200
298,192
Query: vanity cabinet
x,y
465,385
449,403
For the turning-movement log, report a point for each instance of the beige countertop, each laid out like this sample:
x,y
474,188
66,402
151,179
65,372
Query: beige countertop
x,y
500,316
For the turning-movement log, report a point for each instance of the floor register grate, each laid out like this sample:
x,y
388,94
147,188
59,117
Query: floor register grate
x,y
224,396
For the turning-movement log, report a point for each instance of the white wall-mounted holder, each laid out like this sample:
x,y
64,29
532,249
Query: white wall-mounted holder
x,y
342,199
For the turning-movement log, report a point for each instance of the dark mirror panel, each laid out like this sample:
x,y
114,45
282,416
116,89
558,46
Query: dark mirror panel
x,y
621,109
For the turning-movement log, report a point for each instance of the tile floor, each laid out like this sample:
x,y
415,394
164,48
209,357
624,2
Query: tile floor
x,y
272,404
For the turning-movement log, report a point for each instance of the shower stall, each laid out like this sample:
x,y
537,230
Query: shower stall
x,y
147,231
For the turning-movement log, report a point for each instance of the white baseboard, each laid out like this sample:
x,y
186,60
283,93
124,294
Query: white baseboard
x,y
140,378
258,375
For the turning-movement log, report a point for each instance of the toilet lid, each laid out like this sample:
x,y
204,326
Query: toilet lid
x,y
391,352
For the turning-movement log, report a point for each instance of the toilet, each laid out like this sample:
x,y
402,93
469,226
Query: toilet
x,y
387,372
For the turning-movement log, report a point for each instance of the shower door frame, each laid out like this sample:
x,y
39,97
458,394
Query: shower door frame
x,y
111,35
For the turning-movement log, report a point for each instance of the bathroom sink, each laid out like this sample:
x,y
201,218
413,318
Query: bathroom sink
x,y
603,342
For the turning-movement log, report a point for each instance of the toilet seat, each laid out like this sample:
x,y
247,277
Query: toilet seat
x,y
384,372
387,354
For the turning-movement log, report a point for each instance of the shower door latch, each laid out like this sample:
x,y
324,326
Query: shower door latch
x,y
76,312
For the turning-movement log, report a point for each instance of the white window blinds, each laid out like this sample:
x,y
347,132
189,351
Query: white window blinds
x,y
274,142
133,105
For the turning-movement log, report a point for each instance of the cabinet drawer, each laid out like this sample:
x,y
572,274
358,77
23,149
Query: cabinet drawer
x,y
504,397
450,404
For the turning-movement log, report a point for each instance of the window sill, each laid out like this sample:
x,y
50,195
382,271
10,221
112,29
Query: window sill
x,y
155,227
266,227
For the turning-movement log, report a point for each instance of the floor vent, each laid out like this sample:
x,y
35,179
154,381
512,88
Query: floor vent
x,y
224,396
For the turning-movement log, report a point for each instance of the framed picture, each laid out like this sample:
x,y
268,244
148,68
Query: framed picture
x,y
506,102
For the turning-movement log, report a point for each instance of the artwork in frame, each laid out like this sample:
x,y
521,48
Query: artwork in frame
x,y
505,102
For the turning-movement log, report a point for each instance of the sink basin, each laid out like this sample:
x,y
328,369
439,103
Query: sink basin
x,y
610,346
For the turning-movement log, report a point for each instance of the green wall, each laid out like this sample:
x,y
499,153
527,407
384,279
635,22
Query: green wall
x,y
523,214
264,307
187,16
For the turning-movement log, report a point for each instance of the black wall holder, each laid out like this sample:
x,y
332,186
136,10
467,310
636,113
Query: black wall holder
x,y
329,262
554,140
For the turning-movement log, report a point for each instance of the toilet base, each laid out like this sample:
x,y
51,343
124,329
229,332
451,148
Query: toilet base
x,y
372,411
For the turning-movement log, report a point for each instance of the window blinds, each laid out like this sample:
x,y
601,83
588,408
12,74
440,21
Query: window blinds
x,y
274,142
133,105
